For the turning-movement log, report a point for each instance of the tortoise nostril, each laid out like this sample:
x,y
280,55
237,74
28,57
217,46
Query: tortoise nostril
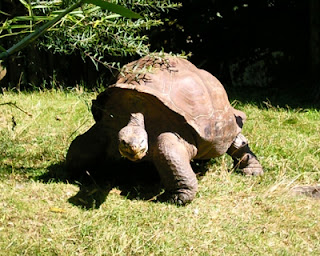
x,y
134,148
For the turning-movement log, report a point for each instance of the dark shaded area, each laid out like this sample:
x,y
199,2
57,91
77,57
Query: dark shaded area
x,y
258,49
267,47
11,8
248,45
292,98
135,181
225,33
33,68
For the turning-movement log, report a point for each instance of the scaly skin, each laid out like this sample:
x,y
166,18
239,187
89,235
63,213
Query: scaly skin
x,y
171,156
133,138
243,157
172,159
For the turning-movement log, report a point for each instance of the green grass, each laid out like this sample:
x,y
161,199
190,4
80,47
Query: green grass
x,y
231,215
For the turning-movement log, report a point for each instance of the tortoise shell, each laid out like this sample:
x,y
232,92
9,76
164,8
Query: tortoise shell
x,y
190,92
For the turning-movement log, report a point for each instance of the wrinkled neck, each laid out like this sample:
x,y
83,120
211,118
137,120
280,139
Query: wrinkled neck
x,y
136,119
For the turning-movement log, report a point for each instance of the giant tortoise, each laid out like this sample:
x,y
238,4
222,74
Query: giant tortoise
x,y
165,110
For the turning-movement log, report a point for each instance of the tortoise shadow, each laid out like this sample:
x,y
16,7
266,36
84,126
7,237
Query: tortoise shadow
x,y
131,180
134,181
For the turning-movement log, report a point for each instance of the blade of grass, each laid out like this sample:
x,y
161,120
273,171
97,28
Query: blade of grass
x,y
114,8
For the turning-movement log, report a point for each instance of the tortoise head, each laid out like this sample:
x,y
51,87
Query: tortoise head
x,y
133,139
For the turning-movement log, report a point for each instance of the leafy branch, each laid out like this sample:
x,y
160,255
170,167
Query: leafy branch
x,y
95,29
40,31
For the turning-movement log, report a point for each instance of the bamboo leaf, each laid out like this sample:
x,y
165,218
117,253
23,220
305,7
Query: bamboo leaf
x,y
40,31
2,49
42,6
4,13
33,18
24,3
16,27
114,8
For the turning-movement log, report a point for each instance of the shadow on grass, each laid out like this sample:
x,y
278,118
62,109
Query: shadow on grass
x,y
134,181
18,173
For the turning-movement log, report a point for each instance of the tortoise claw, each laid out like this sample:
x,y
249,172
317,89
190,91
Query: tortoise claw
x,y
253,171
179,199
250,165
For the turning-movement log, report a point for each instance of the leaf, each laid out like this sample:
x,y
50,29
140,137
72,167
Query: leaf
x,y
17,26
114,8
24,3
2,49
57,210
31,18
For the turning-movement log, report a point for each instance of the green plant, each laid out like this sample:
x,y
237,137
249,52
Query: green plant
x,y
98,29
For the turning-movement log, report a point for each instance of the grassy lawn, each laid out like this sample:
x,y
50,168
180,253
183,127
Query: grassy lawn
x,y
231,215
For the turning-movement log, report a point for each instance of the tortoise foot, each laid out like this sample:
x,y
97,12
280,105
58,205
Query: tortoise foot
x,y
176,198
250,165
243,157
179,199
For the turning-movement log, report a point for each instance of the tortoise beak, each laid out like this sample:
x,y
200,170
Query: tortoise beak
x,y
132,152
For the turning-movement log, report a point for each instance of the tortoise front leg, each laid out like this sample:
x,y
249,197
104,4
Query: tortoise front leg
x,y
172,160
86,152
243,157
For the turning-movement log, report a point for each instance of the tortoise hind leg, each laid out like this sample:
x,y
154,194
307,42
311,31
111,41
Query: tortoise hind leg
x,y
243,157
172,160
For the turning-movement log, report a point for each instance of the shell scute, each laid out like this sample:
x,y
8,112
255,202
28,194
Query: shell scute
x,y
191,92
